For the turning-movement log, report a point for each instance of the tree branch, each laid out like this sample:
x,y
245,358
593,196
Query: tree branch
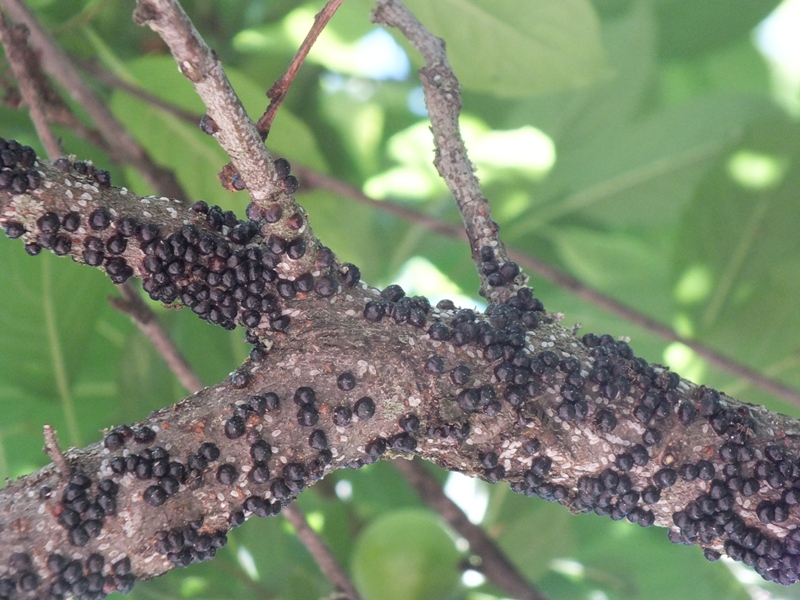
x,y
233,129
278,91
508,396
320,551
500,278
343,375
314,179
29,78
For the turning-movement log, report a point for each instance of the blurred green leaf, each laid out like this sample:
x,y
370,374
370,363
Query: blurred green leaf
x,y
50,310
642,174
690,28
517,47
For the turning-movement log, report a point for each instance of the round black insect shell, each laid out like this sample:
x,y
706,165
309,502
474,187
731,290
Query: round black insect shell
x,y
144,435
374,311
350,274
307,416
261,451
155,495
606,420
325,286
99,219
346,381
226,474
240,379
113,440
318,440
234,427
209,451
665,478
403,442
365,408
434,365
305,396
49,223
282,168
342,416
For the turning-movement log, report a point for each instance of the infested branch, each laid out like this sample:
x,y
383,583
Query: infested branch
x,y
358,375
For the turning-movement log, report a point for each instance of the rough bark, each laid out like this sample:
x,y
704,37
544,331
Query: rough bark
x,y
509,395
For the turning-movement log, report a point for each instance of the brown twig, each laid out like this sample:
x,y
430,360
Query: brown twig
x,y
320,551
132,305
56,63
53,450
443,101
30,79
234,131
495,565
278,91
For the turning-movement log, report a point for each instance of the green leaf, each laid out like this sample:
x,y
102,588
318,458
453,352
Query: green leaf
x,y
604,259
406,555
522,520
570,116
691,28
517,47
643,174
50,311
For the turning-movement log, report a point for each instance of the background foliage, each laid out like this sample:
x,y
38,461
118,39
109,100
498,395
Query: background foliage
x,y
632,143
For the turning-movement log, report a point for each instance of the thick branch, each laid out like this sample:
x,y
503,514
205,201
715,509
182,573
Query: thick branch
x,y
506,396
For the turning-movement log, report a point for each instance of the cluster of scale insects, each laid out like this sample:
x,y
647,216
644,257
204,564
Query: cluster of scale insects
x,y
17,172
226,274
218,265
617,386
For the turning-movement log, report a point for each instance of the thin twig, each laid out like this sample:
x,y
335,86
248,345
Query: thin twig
x,y
53,450
56,63
443,101
278,91
495,565
29,77
320,551
235,132
133,306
